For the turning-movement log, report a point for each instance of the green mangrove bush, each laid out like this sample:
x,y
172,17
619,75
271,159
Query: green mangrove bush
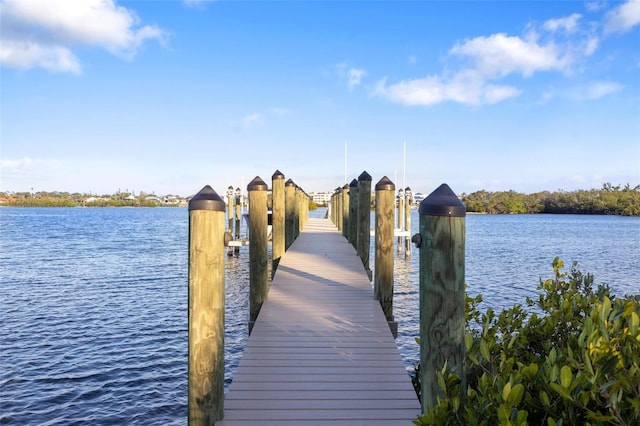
x,y
574,361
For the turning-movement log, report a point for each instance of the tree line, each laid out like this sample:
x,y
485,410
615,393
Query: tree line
x,y
609,200
65,199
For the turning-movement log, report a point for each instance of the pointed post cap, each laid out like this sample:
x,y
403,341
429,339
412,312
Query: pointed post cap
x,y
207,199
354,184
257,184
443,202
277,175
290,182
385,184
364,176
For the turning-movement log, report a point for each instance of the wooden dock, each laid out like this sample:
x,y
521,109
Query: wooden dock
x,y
321,351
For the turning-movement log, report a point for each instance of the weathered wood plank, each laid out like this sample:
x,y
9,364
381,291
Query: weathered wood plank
x,y
321,351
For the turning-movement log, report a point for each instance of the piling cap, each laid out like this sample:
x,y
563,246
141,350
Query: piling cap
x,y
257,184
290,182
207,199
443,202
385,184
365,176
277,175
354,184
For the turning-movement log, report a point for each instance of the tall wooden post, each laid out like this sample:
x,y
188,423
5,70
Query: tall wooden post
x,y
407,221
289,213
383,281
364,219
353,213
236,249
206,308
277,219
305,210
442,299
298,211
400,219
258,269
229,215
345,210
339,215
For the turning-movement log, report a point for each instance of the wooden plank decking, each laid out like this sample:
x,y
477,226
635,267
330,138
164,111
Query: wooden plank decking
x,y
321,352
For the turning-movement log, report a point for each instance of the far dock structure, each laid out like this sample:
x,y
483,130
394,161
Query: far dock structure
x,y
321,349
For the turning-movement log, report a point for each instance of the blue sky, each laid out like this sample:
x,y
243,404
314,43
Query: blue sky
x,y
167,96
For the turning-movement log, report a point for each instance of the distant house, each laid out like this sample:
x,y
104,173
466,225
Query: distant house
x,y
171,199
153,198
320,197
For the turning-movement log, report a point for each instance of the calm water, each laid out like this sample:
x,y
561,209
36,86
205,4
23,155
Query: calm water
x,y
94,301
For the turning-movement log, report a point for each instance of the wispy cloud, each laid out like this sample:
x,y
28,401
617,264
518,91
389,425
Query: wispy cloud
x,y
22,169
251,120
353,76
623,17
599,89
465,88
43,33
280,112
477,66
196,3
568,24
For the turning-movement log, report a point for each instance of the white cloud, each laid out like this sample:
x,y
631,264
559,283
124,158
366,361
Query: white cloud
x,y
596,5
476,66
196,3
25,54
599,89
52,28
623,17
500,55
251,120
355,76
28,171
463,88
568,24
485,59
280,112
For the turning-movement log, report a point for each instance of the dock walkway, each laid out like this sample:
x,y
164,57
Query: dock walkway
x,y
321,352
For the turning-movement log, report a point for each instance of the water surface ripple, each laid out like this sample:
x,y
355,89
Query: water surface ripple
x,y
94,301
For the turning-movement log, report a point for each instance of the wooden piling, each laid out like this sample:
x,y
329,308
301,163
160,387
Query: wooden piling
x,y
230,215
400,219
277,219
258,269
238,205
297,210
206,308
364,219
289,212
345,210
353,214
339,215
383,280
442,297
407,221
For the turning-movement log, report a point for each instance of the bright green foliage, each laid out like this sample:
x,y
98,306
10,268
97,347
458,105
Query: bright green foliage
x,y
610,199
575,362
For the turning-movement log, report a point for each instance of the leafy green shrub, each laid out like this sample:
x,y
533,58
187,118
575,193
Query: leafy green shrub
x,y
575,362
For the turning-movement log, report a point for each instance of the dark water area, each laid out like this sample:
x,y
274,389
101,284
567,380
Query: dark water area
x,y
94,301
